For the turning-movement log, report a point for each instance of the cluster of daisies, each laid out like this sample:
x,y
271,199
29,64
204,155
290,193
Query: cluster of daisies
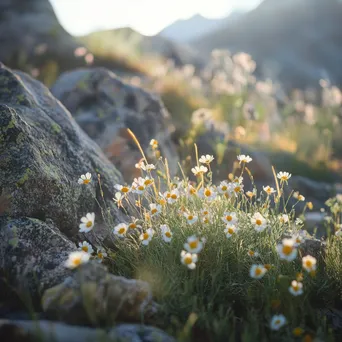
x,y
232,221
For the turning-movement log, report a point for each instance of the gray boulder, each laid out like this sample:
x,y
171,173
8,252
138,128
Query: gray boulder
x,y
46,331
42,154
32,256
93,296
105,107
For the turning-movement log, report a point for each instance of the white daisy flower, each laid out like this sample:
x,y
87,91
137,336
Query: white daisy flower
x,y
85,179
191,218
194,244
251,194
100,254
173,196
166,233
147,167
76,259
120,230
283,176
134,224
283,218
154,144
155,209
259,222
309,263
189,259
235,187
199,170
223,188
122,188
191,191
208,193
207,159
229,218
139,186
206,219
85,247
298,239
269,190
87,223
147,236
298,196
287,250
244,159
296,288
230,230
253,254
277,322
257,271
205,212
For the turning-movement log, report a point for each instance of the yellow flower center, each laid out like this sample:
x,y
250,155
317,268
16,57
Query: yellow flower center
x,y
100,255
277,322
132,226
207,192
162,201
85,249
192,191
86,181
154,211
148,181
308,263
193,244
174,196
206,220
141,188
146,236
258,222
205,213
188,260
229,217
224,188
284,178
122,230
168,234
295,287
298,331
287,250
230,231
258,271
89,224
168,195
125,189
268,266
77,261
190,217
237,189
251,253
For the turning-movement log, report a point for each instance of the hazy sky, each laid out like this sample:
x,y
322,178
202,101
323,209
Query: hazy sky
x,y
147,16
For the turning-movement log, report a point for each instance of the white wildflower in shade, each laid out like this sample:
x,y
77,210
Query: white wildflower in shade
x,y
244,159
87,223
223,188
76,259
205,212
277,322
259,222
238,180
119,197
147,236
147,167
298,239
122,188
208,193
230,230
190,218
251,194
85,179
120,230
199,170
298,196
172,196
100,254
154,144
287,250
166,233
283,218
134,224
189,259
296,288
253,254
155,209
269,190
283,176
194,244
309,263
139,186
236,187
85,247
191,191
257,271
147,181
139,164
207,159
229,218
